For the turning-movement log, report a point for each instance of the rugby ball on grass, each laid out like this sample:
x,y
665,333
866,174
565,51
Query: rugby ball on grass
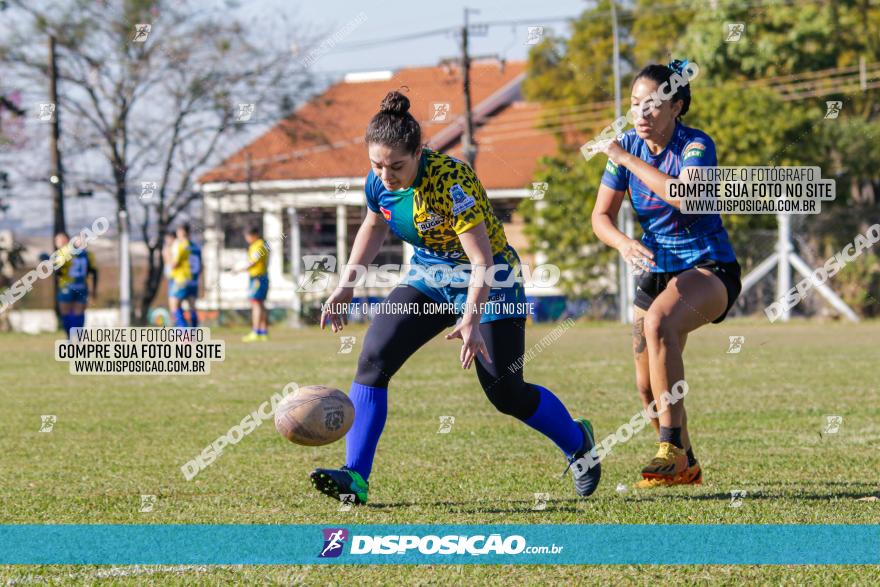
x,y
314,416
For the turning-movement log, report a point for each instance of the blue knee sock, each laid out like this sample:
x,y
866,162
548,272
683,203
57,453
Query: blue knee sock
x,y
194,318
370,411
80,321
179,318
553,421
67,323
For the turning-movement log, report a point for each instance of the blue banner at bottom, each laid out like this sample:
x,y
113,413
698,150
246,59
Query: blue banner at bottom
x,y
440,544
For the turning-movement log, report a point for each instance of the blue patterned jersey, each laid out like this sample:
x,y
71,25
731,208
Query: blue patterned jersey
x,y
195,260
679,241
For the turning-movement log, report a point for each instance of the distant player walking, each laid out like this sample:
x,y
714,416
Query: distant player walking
x,y
437,204
258,285
691,276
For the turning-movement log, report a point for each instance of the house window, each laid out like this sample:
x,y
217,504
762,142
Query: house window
x,y
317,234
234,225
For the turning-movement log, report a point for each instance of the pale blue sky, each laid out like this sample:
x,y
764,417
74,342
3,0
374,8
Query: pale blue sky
x,y
391,18
368,21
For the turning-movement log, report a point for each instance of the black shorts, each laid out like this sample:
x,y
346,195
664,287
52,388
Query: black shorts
x,y
651,285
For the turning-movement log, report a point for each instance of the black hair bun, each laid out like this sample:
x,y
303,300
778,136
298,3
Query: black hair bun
x,y
395,103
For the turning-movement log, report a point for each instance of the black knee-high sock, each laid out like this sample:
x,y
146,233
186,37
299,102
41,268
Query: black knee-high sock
x,y
672,435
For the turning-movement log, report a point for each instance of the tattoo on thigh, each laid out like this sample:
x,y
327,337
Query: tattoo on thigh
x,y
639,342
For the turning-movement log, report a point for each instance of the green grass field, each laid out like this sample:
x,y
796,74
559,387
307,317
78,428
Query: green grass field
x,y
756,420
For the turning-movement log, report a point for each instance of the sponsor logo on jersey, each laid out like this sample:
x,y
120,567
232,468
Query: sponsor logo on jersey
x,y
385,212
694,150
428,221
460,200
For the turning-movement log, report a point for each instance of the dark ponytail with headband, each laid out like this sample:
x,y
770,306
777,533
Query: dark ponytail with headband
x,y
662,74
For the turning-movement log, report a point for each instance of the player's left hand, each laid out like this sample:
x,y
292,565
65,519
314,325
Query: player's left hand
x,y
471,343
614,151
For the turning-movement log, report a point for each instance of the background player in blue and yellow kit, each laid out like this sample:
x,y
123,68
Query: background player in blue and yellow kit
x,y
180,276
258,284
73,290
437,204
692,275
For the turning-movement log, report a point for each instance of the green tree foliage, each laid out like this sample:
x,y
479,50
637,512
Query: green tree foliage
x,y
564,231
751,121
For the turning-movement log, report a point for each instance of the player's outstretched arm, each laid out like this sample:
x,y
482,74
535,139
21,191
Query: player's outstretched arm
x,y
603,219
475,242
650,175
366,246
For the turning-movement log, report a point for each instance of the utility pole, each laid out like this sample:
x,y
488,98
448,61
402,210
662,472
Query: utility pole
x,y
626,285
468,146
57,177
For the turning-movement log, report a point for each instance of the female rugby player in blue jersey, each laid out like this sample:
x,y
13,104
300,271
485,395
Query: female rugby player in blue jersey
x,y
437,204
692,275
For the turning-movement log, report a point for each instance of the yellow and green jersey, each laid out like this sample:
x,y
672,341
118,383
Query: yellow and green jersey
x,y
258,258
180,269
445,200
75,268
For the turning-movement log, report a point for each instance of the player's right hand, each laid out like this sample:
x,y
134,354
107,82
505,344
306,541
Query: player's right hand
x,y
636,254
333,311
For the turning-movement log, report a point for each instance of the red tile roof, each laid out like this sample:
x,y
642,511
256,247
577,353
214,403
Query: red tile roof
x,y
324,138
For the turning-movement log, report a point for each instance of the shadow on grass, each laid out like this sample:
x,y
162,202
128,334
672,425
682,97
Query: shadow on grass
x,y
572,504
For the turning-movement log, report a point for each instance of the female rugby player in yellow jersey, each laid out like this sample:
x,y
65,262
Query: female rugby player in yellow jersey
x,y
437,204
